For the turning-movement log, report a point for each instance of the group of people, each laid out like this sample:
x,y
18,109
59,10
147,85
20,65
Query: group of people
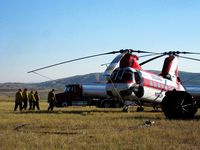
x,y
23,97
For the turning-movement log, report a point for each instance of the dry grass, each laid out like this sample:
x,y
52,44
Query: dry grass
x,y
93,128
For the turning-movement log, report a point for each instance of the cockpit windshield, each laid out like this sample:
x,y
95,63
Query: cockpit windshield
x,y
127,76
121,75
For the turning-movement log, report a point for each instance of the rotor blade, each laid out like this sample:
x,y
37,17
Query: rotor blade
x,y
139,51
151,59
131,51
190,58
73,60
43,76
189,53
179,52
86,57
149,55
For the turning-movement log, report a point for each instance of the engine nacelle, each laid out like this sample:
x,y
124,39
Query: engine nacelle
x,y
178,104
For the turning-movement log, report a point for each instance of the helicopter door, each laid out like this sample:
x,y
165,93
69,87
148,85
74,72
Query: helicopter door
x,y
139,90
138,77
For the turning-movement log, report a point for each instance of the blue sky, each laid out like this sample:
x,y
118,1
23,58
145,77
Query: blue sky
x,y
36,33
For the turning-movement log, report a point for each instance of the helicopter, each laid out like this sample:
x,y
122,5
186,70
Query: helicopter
x,y
127,80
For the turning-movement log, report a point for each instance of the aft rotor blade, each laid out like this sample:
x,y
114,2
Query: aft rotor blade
x,y
179,52
189,53
190,58
152,59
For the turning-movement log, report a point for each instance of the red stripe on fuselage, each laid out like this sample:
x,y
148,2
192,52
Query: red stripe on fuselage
x,y
153,82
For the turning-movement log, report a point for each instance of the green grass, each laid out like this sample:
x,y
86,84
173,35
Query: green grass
x,y
94,128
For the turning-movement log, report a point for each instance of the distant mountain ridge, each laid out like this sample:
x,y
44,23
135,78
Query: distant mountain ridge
x,y
187,78
58,84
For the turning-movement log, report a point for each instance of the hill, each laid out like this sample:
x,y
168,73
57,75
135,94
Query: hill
x,y
187,78
7,90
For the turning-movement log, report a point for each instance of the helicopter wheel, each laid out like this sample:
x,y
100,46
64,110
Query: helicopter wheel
x,y
140,109
106,104
178,104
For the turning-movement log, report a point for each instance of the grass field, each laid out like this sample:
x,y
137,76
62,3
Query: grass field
x,y
94,128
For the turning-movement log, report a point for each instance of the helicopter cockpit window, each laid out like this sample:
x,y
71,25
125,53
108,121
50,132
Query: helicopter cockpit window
x,y
119,75
113,75
127,76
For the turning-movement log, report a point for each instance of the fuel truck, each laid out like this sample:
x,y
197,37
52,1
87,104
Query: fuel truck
x,y
91,94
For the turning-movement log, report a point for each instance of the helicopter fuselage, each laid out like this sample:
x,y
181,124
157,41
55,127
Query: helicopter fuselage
x,y
132,84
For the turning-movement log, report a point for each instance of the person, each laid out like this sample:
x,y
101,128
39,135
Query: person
x,y
18,100
25,99
51,99
31,101
37,98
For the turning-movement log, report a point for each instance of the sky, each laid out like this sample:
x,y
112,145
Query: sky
x,y
37,33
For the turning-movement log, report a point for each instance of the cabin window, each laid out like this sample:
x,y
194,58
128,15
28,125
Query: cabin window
x,y
163,87
155,84
159,85
151,83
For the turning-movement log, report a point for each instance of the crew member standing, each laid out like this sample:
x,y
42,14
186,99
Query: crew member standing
x,y
25,99
37,98
31,100
51,99
18,100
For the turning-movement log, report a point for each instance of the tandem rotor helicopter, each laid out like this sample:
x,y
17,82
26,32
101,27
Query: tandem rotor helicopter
x,y
127,80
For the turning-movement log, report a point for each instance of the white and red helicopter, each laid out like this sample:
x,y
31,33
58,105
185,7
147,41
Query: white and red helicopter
x,y
127,80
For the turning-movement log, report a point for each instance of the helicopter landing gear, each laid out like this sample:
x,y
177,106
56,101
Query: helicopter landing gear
x,y
140,109
125,108
178,105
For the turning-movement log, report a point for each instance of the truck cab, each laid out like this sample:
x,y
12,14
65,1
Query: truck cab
x,y
72,96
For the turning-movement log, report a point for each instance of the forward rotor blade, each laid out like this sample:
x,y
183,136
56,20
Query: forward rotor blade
x,y
151,59
190,58
139,51
149,55
86,57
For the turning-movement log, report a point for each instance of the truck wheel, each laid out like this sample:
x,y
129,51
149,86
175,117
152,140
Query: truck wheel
x,y
64,104
178,104
117,105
